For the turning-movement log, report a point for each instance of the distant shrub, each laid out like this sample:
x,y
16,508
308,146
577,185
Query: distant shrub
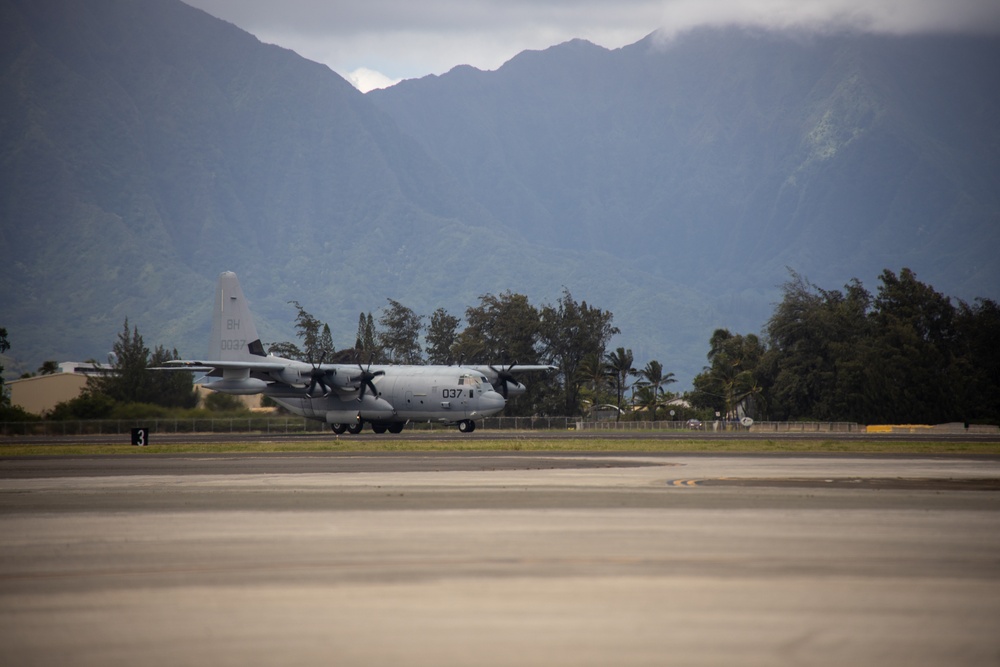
x,y
133,411
217,402
15,413
88,405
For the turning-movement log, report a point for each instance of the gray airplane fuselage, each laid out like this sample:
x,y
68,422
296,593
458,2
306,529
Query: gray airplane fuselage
x,y
346,396
404,393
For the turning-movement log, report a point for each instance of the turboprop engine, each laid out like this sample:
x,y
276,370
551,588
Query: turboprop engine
x,y
237,381
238,386
369,408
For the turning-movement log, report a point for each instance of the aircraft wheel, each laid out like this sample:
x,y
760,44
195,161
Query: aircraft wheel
x,y
396,427
466,426
354,429
379,428
338,428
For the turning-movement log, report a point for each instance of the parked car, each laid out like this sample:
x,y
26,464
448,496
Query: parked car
x,y
695,424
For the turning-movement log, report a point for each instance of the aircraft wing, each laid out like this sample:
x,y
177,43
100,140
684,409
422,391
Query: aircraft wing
x,y
493,370
502,376
260,366
298,377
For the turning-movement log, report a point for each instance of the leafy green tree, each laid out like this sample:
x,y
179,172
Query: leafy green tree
x,y
912,351
502,329
975,372
286,350
8,412
819,352
48,368
732,382
569,333
128,381
844,356
317,343
326,347
907,355
399,337
366,342
442,334
131,381
172,389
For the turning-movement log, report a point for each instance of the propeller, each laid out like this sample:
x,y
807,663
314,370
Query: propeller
x,y
366,378
317,378
504,377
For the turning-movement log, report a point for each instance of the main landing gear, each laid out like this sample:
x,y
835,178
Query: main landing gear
x,y
377,427
464,426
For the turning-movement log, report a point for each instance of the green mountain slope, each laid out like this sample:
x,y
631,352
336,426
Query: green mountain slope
x,y
146,147
721,157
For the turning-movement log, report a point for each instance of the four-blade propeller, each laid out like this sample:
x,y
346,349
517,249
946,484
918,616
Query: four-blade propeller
x,y
317,378
318,375
505,377
366,378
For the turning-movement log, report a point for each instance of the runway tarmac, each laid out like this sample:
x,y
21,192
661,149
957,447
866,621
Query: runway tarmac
x,y
500,559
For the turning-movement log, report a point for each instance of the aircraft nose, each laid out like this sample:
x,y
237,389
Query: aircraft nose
x,y
491,401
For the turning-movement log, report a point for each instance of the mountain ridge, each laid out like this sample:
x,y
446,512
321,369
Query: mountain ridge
x,y
146,151
811,96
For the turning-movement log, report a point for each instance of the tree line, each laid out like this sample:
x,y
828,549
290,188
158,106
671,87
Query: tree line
x,y
125,389
501,329
907,354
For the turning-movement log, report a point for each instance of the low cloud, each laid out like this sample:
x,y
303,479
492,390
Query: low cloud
x,y
365,79
884,16
388,40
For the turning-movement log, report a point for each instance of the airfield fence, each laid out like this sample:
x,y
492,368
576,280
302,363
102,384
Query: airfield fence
x,y
276,425
719,426
124,426
300,425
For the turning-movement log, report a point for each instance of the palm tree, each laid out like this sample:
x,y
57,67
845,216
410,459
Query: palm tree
x,y
619,368
647,398
593,377
655,379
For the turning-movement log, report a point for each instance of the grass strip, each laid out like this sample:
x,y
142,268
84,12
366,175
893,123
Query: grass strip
x,y
527,443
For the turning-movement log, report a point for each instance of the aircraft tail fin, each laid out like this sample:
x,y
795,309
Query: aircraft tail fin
x,y
234,335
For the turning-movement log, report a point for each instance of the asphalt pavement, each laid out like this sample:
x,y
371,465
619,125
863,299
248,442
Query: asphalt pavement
x,y
499,559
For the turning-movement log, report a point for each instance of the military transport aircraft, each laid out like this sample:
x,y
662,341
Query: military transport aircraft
x,y
347,396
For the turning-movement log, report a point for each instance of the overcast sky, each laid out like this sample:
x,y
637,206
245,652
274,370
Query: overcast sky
x,y
375,43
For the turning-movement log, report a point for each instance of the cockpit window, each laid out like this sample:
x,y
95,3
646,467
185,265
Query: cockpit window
x,y
469,380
